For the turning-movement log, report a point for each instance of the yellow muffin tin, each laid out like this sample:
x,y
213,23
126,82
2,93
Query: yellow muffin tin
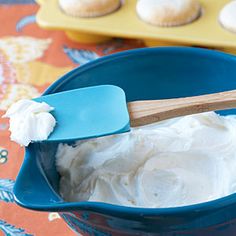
x,y
205,31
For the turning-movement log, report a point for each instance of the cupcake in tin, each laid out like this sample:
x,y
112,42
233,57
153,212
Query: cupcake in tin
x,y
168,13
89,8
227,16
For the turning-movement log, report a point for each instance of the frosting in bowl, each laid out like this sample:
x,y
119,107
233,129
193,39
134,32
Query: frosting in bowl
x,y
30,121
177,162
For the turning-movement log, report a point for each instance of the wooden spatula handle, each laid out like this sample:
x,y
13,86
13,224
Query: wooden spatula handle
x,y
150,111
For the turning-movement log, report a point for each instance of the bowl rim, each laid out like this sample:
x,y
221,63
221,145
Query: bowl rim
x,y
111,209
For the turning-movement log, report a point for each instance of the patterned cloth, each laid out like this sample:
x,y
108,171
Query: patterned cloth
x,y
30,60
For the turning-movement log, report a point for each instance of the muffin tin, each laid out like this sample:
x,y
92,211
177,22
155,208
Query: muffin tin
x,y
206,31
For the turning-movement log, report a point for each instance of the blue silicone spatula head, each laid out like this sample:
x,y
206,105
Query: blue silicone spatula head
x,y
88,113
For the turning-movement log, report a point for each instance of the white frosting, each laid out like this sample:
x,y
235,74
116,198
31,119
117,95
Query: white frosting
x,y
228,16
177,162
30,121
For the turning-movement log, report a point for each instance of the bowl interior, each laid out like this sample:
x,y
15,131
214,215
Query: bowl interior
x,y
154,73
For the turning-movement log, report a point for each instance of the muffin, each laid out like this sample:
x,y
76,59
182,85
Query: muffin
x,y
168,13
227,16
89,8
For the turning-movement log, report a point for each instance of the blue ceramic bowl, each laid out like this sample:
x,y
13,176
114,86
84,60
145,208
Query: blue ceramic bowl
x,y
150,73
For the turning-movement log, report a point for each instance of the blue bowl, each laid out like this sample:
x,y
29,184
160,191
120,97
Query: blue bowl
x,y
150,73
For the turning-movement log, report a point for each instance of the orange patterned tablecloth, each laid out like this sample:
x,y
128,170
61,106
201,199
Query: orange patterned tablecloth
x,y
30,60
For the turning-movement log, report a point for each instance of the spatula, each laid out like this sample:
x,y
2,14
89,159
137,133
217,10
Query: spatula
x,y
102,110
